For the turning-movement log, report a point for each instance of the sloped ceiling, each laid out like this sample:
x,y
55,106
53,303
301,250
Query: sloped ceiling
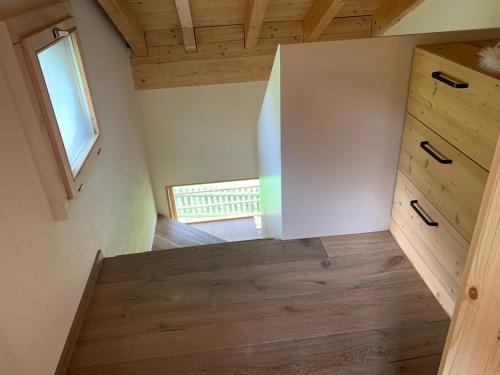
x,y
199,42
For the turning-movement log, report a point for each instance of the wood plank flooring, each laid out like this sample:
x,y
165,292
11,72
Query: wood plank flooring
x,y
339,305
171,234
242,229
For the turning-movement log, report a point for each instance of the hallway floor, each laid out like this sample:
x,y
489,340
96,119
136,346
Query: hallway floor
x,y
172,234
350,305
242,229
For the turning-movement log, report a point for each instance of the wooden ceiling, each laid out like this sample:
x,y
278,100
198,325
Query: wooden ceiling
x,y
199,42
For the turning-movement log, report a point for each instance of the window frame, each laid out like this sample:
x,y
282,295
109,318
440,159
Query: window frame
x,y
31,46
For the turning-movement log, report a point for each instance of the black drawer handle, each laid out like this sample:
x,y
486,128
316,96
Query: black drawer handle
x,y
430,223
449,82
424,145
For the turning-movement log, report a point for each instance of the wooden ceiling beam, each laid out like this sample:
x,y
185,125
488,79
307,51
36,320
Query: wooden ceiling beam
x,y
128,25
319,16
184,12
254,17
390,13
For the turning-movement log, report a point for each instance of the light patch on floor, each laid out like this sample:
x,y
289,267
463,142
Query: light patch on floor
x,y
231,230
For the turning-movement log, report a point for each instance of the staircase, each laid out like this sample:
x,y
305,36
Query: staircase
x,y
170,234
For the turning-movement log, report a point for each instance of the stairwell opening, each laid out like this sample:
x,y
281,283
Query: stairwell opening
x,y
229,210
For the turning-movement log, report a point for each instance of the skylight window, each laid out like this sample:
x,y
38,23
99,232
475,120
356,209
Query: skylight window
x,y
59,65
60,85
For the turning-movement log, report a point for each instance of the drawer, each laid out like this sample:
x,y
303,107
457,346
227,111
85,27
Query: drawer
x,y
468,118
449,179
438,252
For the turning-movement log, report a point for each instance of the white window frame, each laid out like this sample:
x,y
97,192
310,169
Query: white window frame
x,y
31,46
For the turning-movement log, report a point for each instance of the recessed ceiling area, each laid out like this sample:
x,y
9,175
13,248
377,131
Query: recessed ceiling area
x,y
201,42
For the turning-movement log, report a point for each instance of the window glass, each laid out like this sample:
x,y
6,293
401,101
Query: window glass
x,y
217,201
60,69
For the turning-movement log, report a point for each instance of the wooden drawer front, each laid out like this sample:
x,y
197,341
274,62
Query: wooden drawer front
x,y
468,118
455,189
437,252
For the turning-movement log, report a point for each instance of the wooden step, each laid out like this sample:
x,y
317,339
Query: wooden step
x,y
208,258
170,234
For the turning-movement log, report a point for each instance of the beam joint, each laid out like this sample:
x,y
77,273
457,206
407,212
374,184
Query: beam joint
x,y
319,16
254,17
390,13
186,20
125,20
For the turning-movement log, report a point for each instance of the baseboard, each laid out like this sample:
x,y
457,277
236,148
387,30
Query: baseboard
x,y
74,331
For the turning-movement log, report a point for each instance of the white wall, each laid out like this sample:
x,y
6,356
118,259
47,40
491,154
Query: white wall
x,y
342,114
200,134
448,15
43,264
341,131
269,140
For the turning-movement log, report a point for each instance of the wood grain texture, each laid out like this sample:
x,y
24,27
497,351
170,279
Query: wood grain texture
x,y
390,13
425,272
202,72
244,33
127,23
485,43
362,244
467,118
437,252
80,315
473,343
417,366
75,177
455,189
464,53
27,23
169,66
362,353
228,41
319,16
17,77
254,17
173,234
347,28
208,258
157,15
263,307
184,13
305,277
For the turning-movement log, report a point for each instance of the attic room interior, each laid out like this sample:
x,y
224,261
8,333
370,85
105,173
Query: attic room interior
x,y
250,187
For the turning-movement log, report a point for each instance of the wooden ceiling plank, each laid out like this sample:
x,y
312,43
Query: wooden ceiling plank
x,y
254,17
184,12
126,22
347,28
319,16
220,42
390,13
203,72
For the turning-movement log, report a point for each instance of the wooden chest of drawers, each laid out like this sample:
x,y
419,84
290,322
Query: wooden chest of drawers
x,y
450,180
466,117
451,129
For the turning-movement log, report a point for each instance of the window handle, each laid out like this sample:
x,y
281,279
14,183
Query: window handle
x,y
424,145
455,84
427,221
58,33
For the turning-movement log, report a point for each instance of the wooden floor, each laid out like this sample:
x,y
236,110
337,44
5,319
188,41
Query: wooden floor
x,y
341,305
171,234
242,229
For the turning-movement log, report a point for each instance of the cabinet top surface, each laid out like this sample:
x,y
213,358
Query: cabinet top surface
x,y
466,54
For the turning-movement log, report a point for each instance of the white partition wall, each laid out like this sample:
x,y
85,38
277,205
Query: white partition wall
x,y
342,107
269,144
